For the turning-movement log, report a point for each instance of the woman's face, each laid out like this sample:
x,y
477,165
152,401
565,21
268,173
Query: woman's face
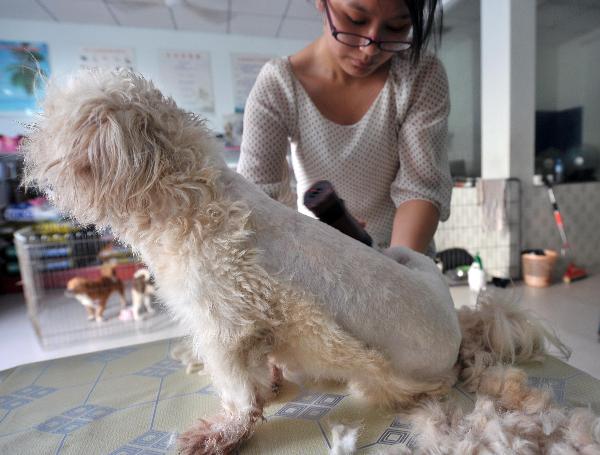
x,y
386,20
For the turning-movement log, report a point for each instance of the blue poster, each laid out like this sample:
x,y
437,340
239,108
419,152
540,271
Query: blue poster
x,y
24,68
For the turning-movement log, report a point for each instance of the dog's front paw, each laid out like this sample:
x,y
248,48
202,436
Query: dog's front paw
x,y
209,438
221,435
199,439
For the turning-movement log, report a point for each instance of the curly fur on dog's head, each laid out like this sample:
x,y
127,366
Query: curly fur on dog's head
x,y
110,148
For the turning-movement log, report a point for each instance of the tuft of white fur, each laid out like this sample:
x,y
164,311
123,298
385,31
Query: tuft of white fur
x,y
343,439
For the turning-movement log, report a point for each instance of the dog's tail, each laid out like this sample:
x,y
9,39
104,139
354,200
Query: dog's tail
x,y
143,274
500,332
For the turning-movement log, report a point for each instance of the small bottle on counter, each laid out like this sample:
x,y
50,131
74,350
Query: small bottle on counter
x,y
559,171
476,275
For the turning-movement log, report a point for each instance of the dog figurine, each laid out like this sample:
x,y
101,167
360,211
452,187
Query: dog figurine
x,y
142,290
93,294
256,283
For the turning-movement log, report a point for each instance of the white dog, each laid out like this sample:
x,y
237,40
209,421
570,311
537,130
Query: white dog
x,y
255,282
142,290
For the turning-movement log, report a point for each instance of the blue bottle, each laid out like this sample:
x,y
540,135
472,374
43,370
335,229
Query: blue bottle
x,y
559,171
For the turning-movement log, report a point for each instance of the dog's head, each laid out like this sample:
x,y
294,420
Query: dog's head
x,y
111,150
77,285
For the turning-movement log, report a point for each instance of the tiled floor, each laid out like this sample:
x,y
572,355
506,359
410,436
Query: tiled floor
x,y
572,310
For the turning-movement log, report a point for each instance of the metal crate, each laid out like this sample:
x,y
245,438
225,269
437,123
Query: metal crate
x,y
50,256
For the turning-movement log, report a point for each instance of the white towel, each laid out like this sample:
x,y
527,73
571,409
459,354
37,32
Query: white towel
x,y
491,197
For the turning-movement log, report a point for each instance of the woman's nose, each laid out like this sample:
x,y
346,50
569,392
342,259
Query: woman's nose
x,y
370,50
373,33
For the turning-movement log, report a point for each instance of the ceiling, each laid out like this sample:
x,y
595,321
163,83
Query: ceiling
x,y
293,19
558,20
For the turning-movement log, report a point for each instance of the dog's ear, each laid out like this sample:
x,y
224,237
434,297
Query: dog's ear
x,y
110,147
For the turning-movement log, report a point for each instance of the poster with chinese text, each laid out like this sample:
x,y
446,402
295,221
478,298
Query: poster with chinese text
x,y
245,69
107,58
187,77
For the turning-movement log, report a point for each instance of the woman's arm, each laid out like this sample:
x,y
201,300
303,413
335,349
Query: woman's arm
x,y
268,123
423,187
415,224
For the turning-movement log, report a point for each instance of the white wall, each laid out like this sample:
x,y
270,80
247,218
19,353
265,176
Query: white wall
x,y
508,88
568,76
546,77
460,54
579,81
65,41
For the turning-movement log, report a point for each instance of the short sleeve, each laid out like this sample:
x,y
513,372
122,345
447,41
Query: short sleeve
x,y
268,124
424,172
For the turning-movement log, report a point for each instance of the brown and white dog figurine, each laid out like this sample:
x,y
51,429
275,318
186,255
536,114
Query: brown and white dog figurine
x,y
93,294
142,291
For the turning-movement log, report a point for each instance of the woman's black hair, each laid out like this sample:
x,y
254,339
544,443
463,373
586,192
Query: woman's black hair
x,y
427,21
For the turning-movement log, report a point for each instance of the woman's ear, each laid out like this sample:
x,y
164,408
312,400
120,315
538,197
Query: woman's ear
x,y
319,6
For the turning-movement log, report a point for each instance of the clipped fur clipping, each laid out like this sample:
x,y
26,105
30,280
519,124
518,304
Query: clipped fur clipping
x,y
498,331
343,439
509,417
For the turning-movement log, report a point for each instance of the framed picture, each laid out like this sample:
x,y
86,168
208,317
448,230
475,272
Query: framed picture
x,y
24,69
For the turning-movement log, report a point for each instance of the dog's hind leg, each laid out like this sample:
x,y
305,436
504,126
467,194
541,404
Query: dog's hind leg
x,y
90,311
100,309
148,304
136,303
122,298
373,377
241,374
322,349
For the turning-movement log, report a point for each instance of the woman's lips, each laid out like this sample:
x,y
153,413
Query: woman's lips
x,y
361,65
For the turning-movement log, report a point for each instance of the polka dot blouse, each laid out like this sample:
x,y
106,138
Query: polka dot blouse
x,y
393,154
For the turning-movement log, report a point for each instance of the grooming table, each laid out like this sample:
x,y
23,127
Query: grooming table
x,y
135,400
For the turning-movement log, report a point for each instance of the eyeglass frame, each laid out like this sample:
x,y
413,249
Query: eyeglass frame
x,y
335,32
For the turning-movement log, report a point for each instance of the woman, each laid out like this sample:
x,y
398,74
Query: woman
x,y
366,109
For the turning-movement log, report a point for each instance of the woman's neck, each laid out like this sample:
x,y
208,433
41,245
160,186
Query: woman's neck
x,y
329,68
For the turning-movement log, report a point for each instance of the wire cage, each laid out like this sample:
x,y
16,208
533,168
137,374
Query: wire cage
x,y
79,284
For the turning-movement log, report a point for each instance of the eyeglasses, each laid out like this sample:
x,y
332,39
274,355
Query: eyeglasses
x,y
355,40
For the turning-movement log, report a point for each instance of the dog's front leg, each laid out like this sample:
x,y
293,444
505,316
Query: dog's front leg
x,y
242,376
148,304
